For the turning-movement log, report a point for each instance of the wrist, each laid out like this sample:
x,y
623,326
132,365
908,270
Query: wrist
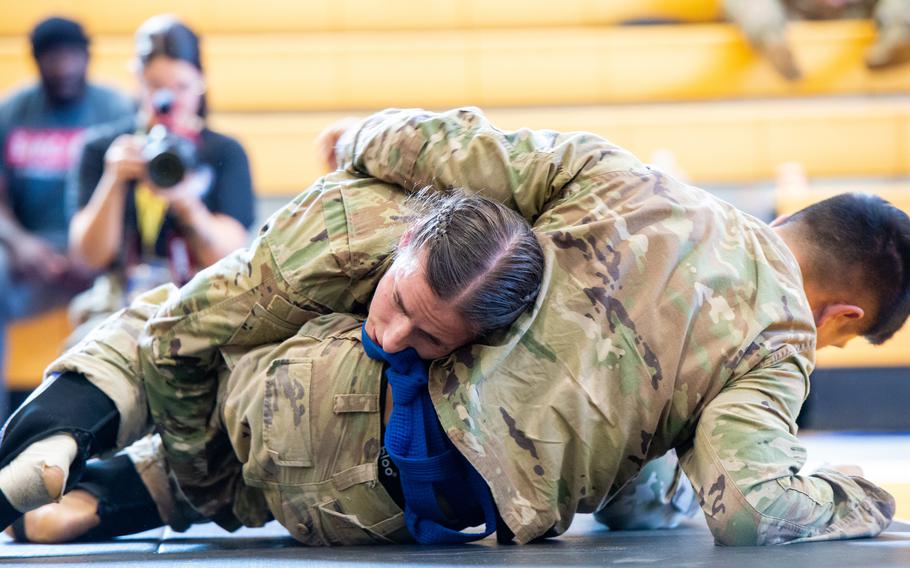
x,y
112,179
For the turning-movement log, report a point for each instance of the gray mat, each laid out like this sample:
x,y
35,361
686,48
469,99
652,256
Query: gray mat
x,y
586,544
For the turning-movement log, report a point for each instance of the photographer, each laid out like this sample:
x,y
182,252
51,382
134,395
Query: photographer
x,y
159,196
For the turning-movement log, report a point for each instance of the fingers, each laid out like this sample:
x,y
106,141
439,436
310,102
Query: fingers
x,y
124,158
328,140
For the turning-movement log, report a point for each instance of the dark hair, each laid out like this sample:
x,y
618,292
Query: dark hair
x,y
167,36
862,241
55,32
480,255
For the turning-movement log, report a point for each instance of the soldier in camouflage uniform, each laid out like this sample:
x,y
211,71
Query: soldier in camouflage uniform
x,y
490,262
666,320
765,24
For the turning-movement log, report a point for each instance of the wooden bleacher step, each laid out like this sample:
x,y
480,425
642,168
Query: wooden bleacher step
x,y
502,67
111,17
714,143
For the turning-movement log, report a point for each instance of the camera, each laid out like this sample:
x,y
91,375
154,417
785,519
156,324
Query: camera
x,y
168,155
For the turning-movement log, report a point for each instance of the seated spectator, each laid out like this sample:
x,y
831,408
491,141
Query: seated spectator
x,y
138,216
41,127
765,21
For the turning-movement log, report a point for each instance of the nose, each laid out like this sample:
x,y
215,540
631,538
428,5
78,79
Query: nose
x,y
395,335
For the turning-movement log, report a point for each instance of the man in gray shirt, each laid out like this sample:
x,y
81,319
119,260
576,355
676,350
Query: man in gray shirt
x,y
41,130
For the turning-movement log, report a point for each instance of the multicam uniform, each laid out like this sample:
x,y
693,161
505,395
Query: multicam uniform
x,y
666,319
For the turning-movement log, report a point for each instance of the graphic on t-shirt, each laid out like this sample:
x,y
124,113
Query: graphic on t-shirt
x,y
43,152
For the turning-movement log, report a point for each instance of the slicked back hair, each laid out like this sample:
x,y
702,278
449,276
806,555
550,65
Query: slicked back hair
x,y
480,256
861,240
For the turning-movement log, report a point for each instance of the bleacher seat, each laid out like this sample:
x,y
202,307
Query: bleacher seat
x,y
111,17
32,344
502,67
731,142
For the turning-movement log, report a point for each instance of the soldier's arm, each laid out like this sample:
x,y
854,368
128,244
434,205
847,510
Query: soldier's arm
x,y
302,264
745,462
460,148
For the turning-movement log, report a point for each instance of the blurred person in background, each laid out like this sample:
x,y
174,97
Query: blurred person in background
x,y
159,195
147,220
765,24
41,128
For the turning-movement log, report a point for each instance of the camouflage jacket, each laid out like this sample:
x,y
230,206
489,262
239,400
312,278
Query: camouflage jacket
x,y
667,319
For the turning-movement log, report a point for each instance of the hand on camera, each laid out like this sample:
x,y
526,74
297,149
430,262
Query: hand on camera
x,y
123,159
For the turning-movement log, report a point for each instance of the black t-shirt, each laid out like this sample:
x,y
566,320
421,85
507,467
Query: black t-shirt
x,y
230,191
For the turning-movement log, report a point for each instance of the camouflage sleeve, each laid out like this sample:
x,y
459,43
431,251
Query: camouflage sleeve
x,y
301,265
460,148
762,21
745,463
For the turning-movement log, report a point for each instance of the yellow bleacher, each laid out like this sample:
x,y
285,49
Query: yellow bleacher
x,y
728,142
501,67
31,345
112,17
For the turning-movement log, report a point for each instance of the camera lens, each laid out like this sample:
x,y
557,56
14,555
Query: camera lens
x,y
166,169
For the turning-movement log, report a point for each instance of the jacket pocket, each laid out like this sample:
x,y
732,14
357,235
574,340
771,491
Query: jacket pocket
x,y
286,412
268,324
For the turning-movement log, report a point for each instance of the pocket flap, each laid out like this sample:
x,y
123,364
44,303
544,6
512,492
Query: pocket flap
x,y
286,412
289,312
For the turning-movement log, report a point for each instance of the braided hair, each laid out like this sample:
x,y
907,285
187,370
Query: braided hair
x,y
481,256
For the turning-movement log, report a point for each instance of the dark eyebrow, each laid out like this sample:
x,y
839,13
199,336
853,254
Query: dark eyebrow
x,y
400,302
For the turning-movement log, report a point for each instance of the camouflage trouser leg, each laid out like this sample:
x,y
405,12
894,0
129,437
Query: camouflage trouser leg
x,y
147,456
304,417
108,357
659,498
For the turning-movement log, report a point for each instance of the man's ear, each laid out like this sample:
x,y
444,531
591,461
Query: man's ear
x,y
839,313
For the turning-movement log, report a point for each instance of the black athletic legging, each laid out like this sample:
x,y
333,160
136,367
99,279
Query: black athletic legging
x,y
67,403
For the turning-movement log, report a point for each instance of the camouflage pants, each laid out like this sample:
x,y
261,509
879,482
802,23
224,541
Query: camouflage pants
x,y
660,497
148,458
